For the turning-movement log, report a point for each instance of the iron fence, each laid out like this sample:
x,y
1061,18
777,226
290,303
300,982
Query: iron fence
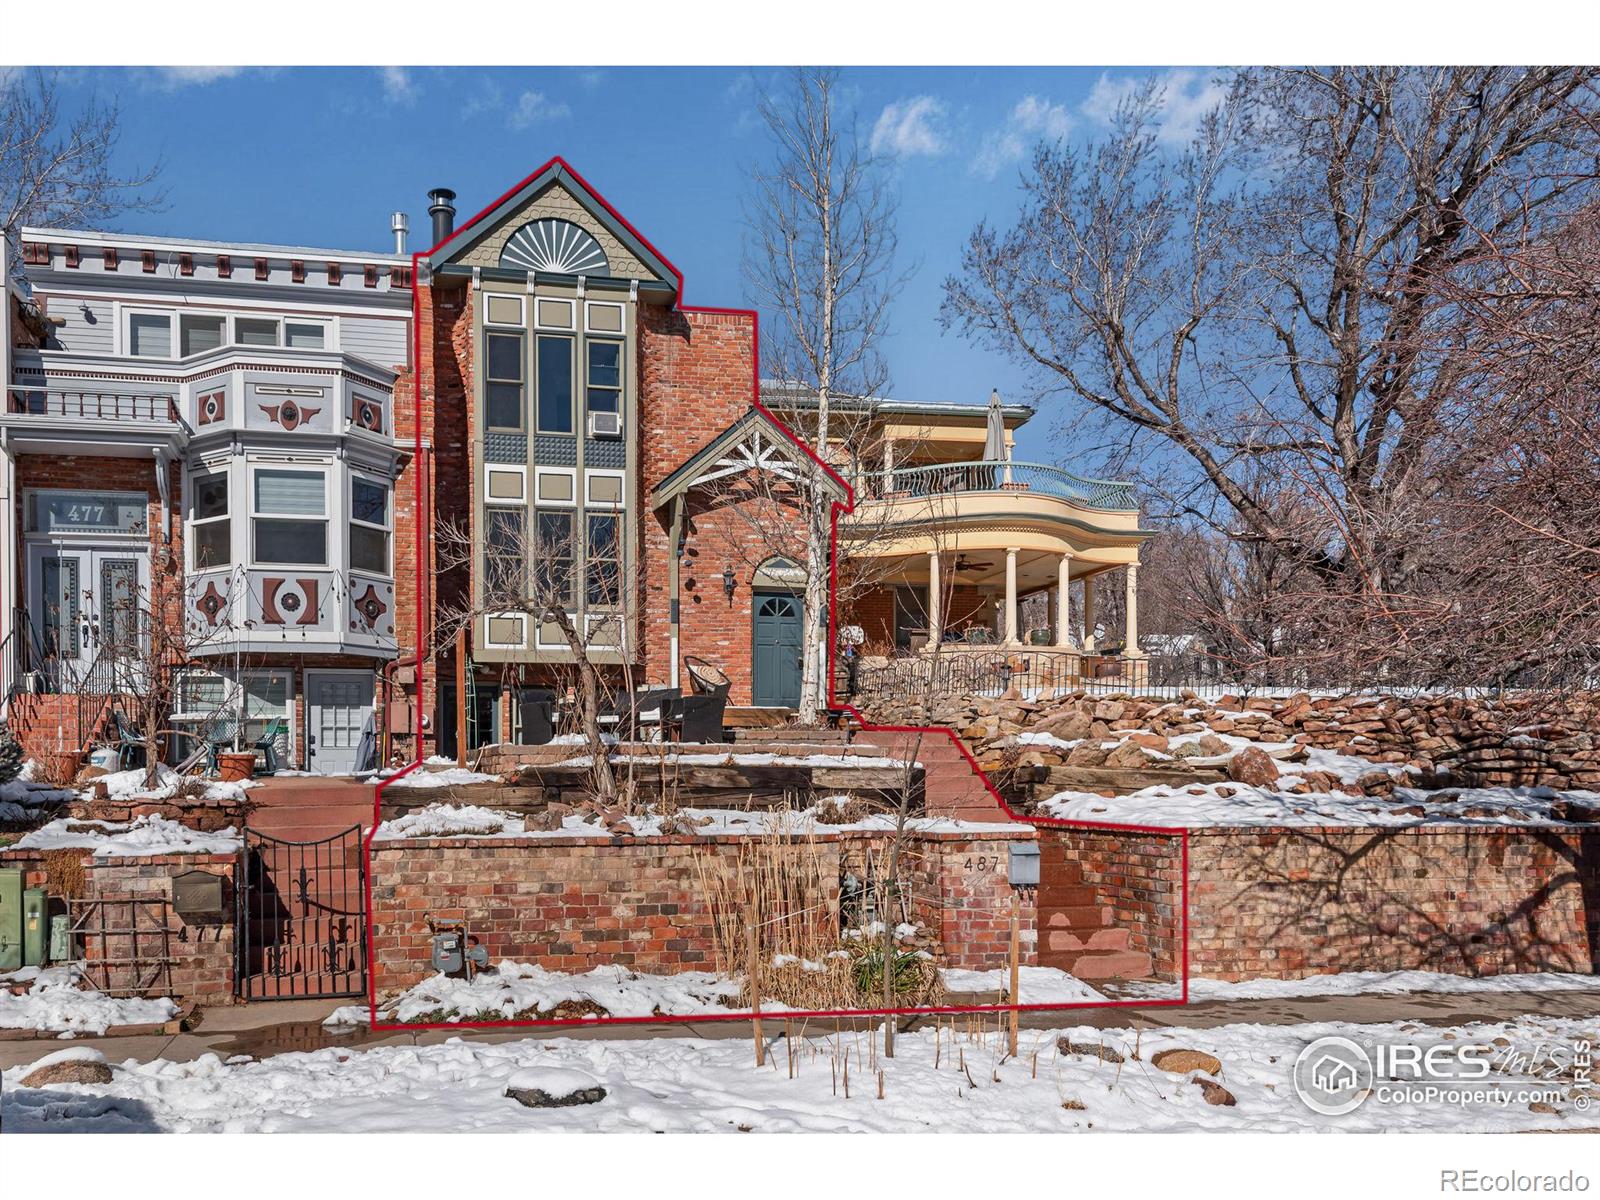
x,y
997,475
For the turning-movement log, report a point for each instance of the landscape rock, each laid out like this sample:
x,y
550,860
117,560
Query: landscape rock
x,y
1253,767
69,1066
554,1087
1089,1050
1215,1093
1181,1062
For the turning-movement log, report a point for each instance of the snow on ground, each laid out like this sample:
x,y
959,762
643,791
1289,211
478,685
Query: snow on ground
x,y
940,1081
150,834
56,1004
752,759
435,778
130,785
1035,985
1366,983
469,820
1203,805
511,989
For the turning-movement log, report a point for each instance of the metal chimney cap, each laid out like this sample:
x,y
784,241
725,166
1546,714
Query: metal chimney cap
x,y
399,222
441,197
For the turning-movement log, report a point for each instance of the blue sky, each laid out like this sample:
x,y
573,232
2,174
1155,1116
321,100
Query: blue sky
x,y
321,156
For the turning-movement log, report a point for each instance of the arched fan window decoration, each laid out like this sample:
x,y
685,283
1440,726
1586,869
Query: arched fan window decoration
x,y
555,247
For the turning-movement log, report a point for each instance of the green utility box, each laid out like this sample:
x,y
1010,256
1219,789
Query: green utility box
x,y
10,918
35,926
61,938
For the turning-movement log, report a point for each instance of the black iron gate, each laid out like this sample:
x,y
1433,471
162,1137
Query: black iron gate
x,y
302,926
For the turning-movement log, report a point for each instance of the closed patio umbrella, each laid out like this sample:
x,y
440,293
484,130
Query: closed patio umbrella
x,y
994,442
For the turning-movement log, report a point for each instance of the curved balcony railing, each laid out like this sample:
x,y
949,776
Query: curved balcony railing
x,y
997,476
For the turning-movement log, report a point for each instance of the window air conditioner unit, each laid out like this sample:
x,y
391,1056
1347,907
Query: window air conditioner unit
x,y
605,424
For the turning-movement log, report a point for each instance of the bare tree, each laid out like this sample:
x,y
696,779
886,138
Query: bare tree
x,y
57,170
819,260
1270,319
533,573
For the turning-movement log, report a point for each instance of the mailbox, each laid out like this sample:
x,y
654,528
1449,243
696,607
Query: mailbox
x,y
197,897
1022,865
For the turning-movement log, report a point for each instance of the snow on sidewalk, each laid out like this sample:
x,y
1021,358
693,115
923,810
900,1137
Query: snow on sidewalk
x,y
56,1004
1366,983
689,1085
1035,985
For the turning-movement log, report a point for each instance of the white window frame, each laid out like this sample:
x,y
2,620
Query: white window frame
x,y
537,500
191,523
230,335
622,318
233,693
387,528
505,469
327,516
522,311
522,623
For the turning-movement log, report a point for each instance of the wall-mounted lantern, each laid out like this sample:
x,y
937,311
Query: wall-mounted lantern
x,y
729,583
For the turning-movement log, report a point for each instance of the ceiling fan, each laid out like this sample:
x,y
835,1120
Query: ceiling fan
x,y
963,565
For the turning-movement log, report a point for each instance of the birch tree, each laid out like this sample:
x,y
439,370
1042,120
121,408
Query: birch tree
x,y
819,260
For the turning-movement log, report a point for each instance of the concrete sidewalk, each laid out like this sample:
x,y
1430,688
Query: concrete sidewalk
x,y
264,1029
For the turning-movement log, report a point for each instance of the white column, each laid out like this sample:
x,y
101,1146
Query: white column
x,y
1131,639
1064,601
1088,614
935,600
1010,636
888,466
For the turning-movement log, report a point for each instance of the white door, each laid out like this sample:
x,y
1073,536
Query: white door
x,y
339,717
85,600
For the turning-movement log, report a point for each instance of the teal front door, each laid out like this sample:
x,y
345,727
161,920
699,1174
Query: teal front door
x,y
776,657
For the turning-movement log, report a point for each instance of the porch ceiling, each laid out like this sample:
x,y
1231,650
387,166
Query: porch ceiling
x,y
986,568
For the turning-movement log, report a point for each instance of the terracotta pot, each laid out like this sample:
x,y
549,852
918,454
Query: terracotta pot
x,y
235,768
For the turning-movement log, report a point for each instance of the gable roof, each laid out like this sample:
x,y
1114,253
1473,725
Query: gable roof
x,y
756,441
556,172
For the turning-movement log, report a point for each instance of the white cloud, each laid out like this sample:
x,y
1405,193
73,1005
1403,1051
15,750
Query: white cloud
x,y
1033,118
533,107
489,98
910,127
591,77
177,77
1185,97
398,86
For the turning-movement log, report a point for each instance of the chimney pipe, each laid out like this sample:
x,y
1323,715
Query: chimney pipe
x,y
443,213
400,224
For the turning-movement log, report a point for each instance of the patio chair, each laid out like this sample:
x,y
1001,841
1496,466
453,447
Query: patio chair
x,y
267,746
697,718
631,707
706,678
130,746
536,709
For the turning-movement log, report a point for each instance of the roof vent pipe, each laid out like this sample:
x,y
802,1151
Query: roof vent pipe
x,y
443,212
400,224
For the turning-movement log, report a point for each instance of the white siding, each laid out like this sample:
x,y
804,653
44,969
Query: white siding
x,y
376,339
89,328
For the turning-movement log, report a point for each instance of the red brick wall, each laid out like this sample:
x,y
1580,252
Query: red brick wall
x,y
1286,903
573,904
1138,876
203,954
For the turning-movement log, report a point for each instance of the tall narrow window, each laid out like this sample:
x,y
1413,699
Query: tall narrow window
x,y
291,525
555,385
604,558
503,389
504,581
210,529
369,526
605,377
553,556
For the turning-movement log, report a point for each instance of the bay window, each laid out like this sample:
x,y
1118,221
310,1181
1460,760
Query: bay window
x,y
172,333
289,518
150,335
197,334
210,526
369,526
